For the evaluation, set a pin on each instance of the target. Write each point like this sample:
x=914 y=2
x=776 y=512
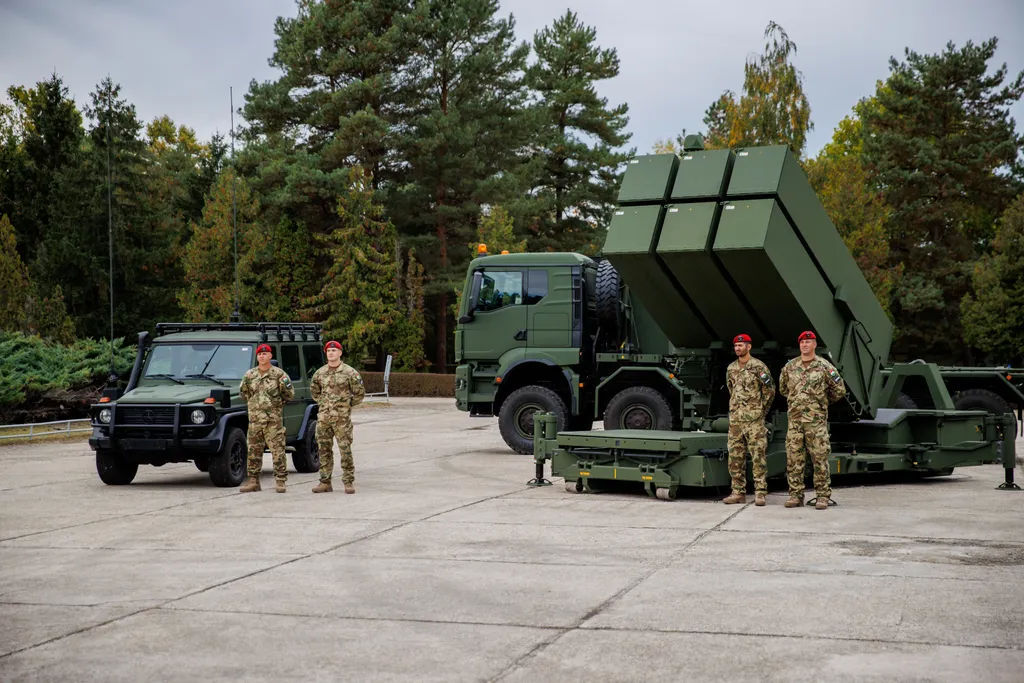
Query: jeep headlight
x=198 y=417
x=105 y=416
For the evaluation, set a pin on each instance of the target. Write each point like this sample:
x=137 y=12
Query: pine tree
x=358 y=301
x=209 y=263
x=993 y=316
x=14 y=280
x=49 y=319
x=463 y=137
x=943 y=149
x=578 y=182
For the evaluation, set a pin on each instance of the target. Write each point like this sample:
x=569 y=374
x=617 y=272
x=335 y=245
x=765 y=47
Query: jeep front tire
x=228 y=467
x=114 y=469
x=306 y=456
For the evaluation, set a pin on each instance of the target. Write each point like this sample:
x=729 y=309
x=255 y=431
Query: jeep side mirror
x=474 y=294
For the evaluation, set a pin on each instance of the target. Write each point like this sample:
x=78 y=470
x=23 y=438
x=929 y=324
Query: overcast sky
x=180 y=57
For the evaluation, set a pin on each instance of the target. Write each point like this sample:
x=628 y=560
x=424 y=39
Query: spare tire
x=609 y=305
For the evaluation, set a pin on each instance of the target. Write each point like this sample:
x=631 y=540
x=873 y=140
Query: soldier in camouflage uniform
x=751 y=392
x=336 y=387
x=809 y=383
x=266 y=389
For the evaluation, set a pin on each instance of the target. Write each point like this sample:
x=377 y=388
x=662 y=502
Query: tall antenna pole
x=234 y=210
x=110 y=234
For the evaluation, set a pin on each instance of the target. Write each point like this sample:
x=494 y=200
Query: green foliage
x=209 y=256
x=49 y=319
x=993 y=317
x=359 y=301
x=34 y=370
x=14 y=281
x=578 y=181
x=942 y=148
x=845 y=187
x=773 y=109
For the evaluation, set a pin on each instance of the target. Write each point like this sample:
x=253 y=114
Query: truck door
x=549 y=297
x=497 y=317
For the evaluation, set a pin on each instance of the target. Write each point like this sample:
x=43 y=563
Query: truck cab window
x=536 y=286
x=500 y=289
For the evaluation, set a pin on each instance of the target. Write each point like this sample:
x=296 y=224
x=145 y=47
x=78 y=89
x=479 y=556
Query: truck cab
x=525 y=339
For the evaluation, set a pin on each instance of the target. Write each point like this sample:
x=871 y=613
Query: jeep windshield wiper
x=209 y=377
x=170 y=377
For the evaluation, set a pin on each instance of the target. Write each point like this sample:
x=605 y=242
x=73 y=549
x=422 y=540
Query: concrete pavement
x=445 y=566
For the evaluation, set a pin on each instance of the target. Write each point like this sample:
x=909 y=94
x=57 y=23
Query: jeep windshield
x=198 y=362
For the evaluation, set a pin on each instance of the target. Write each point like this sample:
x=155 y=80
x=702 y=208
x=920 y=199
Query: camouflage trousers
x=803 y=439
x=271 y=433
x=748 y=437
x=327 y=431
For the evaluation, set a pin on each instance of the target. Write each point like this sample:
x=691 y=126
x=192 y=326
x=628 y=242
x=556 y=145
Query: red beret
x=806 y=335
x=741 y=338
x=332 y=345
x=264 y=347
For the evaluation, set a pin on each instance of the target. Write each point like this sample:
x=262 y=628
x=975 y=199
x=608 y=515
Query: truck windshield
x=220 y=361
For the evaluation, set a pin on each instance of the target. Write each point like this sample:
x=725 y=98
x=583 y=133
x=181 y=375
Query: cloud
x=677 y=56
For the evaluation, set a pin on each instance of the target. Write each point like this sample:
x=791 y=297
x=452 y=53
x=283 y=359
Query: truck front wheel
x=638 y=408
x=515 y=419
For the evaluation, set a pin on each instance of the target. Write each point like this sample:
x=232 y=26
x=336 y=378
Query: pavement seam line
x=226 y=582
x=551 y=640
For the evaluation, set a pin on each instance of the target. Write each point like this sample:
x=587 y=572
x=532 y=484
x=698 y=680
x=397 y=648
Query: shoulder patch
x=834 y=375
x=765 y=377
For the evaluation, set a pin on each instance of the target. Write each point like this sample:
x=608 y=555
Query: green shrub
x=41 y=379
x=411 y=383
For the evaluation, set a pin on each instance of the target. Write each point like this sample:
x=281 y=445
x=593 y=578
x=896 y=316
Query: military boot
x=323 y=487
x=349 y=488
x=760 y=500
x=794 y=502
x=821 y=503
x=252 y=485
x=734 y=498
x=280 y=486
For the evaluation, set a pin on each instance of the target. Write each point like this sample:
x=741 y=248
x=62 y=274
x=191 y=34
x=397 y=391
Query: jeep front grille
x=145 y=416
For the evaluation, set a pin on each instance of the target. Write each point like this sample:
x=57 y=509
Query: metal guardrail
x=37 y=429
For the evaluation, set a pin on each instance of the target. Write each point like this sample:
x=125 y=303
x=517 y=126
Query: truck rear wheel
x=515 y=419
x=989 y=401
x=638 y=408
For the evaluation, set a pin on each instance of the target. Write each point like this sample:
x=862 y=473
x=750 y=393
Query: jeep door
x=295 y=408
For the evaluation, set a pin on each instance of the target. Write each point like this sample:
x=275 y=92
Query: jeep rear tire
x=638 y=408
x=515 y=419
x=114 y=469
x=306 y=457
x=228 y=467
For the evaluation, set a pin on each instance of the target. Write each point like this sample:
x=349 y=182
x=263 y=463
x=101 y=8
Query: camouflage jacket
x=810 y=389
x=336 y=390
x=266 y=393
x=751 y=390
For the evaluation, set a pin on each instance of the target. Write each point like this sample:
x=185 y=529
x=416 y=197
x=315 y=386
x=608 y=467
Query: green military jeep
x=181 y=403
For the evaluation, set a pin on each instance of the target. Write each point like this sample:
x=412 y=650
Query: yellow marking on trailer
x=615 y=473
x=584 y=474
x=646 y=478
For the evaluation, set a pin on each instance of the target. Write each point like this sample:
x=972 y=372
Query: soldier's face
x=263 y=357
x=808 y=345
x=741 y=348
x=333 y=354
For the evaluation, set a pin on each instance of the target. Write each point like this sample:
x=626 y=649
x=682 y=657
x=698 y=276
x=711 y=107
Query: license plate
x=144 y=444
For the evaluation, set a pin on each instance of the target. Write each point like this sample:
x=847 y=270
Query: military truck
x=701 y=248
x=182 y=403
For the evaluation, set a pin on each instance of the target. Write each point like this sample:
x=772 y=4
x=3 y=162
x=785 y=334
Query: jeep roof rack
x=281 y=330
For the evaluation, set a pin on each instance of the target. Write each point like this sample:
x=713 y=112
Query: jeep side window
x=537 y=285
x=313 y=355
x=290 y=361
x=500 y=289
